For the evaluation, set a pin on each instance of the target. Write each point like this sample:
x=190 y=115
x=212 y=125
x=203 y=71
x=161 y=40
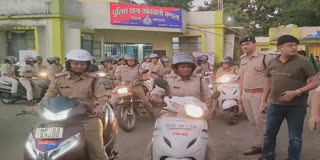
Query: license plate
x=49 y=133
x=182 y=126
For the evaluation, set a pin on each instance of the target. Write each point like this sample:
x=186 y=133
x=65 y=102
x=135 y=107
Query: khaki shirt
x=205 y=67
x=27 y=71
x=253 y=70
x=289 y=76
x=54 y=69
x=127 y=73
x=164 y=70
x=232 y=70
x=85 y=88
x=7 y=70
x=155 y=68
x=195 y=86
x=39 y=67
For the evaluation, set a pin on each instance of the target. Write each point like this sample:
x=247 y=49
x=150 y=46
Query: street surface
x=230 y=141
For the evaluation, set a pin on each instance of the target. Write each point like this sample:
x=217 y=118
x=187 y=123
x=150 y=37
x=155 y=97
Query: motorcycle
x=59 y=137
x=228 y=85
x=128 y=108
x=182 y=132
x=5 y=89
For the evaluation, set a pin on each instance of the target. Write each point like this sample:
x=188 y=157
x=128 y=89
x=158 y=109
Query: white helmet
x=79 y=55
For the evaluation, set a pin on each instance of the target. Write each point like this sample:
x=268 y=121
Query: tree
x=301 y=13
x=184 y=4
x=257 y=16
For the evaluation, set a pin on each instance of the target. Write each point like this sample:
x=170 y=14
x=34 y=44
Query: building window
x=87 y=42
x=140 y=49
x=186 y=44
x=20 y=40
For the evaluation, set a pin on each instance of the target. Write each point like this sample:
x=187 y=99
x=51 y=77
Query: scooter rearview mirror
x=216 y=95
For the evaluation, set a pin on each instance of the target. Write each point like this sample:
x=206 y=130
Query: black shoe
x=31 y=102
x=15 y=94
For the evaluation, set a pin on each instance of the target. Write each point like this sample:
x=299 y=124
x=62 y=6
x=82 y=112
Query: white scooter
x=182 y=132
x=228 y=85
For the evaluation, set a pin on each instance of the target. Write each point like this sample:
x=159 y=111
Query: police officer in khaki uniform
x=27 y=72
x=78 y=84
x=184 y=82
x=39 y=66
x=166 y=66
x=253 y=68
x=8 y=73
x=226 y=67
x=154 y=67
x=54 y=67
x=130 y=72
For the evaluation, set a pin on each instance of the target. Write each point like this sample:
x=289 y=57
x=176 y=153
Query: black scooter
x=5 y=89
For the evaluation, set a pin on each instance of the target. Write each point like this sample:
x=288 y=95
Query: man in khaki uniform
x=183 y=82
x=54 y=67
x=8 y=73
x=27 y=72
x=253 y=67
x=39 y=66
x=78 y=84
x=130 y=73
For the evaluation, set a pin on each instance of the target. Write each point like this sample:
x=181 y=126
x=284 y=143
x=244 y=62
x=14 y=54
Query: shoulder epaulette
x=60 y=74
x=242 y=56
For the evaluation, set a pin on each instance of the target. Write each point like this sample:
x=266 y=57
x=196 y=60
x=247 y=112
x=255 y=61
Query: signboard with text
x=146 y=16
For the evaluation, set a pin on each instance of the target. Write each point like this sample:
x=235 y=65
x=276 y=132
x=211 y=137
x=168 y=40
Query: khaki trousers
x=94 y=138
x=12 y=81
x=26 y=83
x=32 y=87
x=251 y=105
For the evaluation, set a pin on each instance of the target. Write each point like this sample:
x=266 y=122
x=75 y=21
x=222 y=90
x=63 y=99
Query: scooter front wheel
x=126 y=117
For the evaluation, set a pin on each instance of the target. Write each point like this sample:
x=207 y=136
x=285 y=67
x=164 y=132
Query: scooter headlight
x=101 y=74
x=225 y=79
x=56 y=116
x=43 y=74
x=67 y=145
x=193 y=110
x=122 y=90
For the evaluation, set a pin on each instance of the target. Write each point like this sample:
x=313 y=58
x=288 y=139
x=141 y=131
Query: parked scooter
x=5 y=89
x=62 y=138
x=228 y=85
x=181 y=133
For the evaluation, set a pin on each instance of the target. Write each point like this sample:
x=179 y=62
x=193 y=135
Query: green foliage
x=184 y=4
x=257 y=16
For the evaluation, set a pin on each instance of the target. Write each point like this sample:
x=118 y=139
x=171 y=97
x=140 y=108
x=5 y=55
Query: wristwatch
x=298 y=92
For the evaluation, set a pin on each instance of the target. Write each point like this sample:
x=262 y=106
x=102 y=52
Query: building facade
x=104 y=28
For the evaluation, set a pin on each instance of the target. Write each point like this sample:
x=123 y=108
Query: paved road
x=230 y=141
